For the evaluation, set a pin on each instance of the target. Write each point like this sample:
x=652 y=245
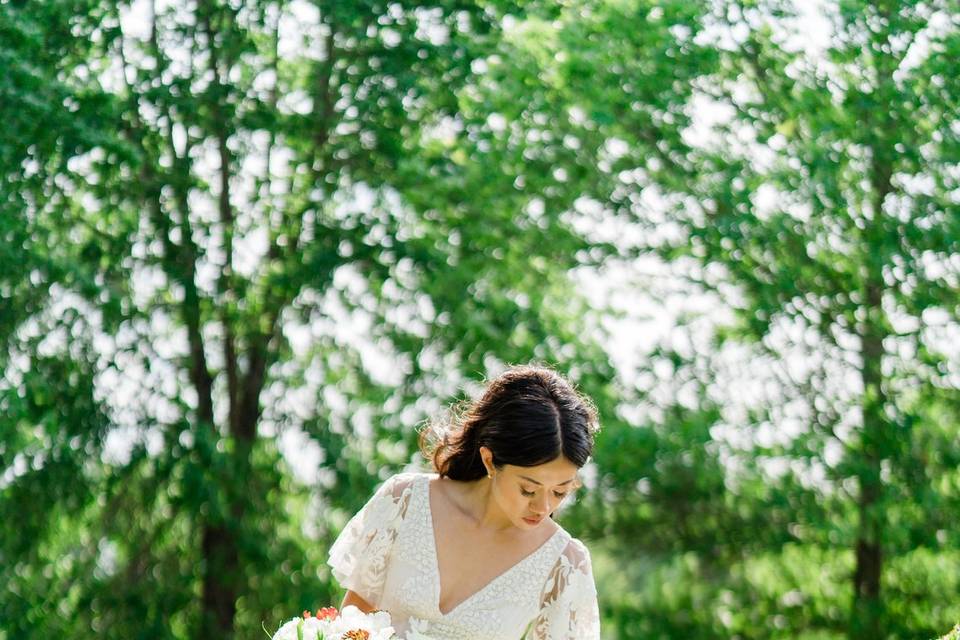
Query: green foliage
x=226 y=180
x=800 y=202
x=230 y=227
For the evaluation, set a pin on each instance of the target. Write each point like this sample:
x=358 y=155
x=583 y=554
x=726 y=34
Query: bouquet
x=953 y=635
x=330 y=624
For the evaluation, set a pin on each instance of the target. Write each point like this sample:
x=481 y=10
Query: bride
x=471 y=552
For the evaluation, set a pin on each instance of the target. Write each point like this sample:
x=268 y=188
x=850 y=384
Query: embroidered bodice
x=387 y=555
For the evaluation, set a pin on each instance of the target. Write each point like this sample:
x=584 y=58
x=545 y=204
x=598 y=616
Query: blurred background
x=248 y=247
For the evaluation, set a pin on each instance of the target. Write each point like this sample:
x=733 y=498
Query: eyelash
x=528 y=494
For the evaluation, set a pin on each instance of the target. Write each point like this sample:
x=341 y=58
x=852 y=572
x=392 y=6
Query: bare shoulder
x=552 y=527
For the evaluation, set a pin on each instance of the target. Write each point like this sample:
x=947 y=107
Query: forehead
x=556 y=472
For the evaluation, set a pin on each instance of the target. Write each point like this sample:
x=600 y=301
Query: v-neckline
x=436 y=558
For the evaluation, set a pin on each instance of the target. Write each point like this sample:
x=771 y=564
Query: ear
x=487 y=457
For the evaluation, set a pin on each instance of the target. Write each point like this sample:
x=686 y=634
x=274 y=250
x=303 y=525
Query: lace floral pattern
x=568 y=609
x=360 y=556
x=387 y=554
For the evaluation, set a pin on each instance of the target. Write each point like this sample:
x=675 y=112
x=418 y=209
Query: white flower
x=377 y=624
x=311 y=627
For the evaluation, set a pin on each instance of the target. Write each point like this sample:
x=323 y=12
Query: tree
x=261 y=171
x=825 y=194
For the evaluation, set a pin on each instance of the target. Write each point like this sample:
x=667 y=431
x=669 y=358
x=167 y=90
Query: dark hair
x=527 y=416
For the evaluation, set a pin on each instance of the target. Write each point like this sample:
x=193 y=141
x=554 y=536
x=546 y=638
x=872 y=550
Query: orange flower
x=307 y=614
x=327 y=613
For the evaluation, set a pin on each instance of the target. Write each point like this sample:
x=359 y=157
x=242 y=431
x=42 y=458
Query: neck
x=483 y=509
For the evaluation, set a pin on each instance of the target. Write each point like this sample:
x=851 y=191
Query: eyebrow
x=541 y=484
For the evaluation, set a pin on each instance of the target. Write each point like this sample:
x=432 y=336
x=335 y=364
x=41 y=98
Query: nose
x=540 y=506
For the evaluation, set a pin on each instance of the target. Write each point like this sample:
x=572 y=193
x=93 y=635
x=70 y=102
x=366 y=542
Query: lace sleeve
x=359 y=556
x=568 y=603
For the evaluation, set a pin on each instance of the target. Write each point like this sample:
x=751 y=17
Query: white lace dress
x=387 y=555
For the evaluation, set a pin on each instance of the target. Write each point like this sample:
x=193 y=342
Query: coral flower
x=327 y=613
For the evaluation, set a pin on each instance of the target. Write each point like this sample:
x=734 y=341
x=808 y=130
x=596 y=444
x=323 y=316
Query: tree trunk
x=867 y=605
x=866 y=579
x=219 y=590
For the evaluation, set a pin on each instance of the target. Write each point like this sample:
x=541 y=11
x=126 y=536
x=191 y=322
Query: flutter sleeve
x=568 y=603
x=360 y=555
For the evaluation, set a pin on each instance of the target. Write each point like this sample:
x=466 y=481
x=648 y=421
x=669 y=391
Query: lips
x=533 y=520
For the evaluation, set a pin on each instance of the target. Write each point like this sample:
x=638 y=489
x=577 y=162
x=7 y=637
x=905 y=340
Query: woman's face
x=528 y=495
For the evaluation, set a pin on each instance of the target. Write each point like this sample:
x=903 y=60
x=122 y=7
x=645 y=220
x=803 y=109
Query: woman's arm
x=357 y=601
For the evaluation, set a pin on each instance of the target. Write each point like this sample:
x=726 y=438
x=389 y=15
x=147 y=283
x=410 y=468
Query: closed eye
x=529 y=494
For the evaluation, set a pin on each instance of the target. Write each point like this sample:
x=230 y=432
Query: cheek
x=506 y=499
x=520 y=503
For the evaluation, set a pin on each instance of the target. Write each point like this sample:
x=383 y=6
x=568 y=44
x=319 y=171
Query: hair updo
x=528 y=415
